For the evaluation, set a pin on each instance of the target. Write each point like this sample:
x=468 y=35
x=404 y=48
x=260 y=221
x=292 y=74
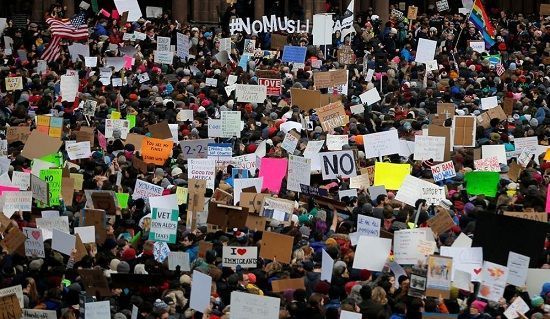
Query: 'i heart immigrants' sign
x=246 y=257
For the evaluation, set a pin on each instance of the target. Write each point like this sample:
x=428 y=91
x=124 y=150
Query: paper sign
x=468 y=259
x=250 y=306
x=405 y=243
x=498 y=151
x=350 y=315
x=273 y=170
x=63 y=242
x=477 y=46
x=39 y=314
x=485 y=183
x=370 y=97
x=299 y=172
x=443 y=171
x=164 y=225
x=14 y=83
x=327 y=265
x=340 y=163
x=17 y=201
x=195 y=148
x=203 y=168
x=493 y=281
x=178 y=258
x=372 y=253
x=120 y=125
x=200 y=291
x=368 y=226
x=335 y=142
x=518 y=305
x=331 y=116
x=390 y=175
x=34 y=242
x=250 y=93
x=100 y=309
x=425 y=50
x=246 y=257
x=439 y=276
x=487 y=164
x=294 y=54
x=79 y=150
x=86 y=233
x=429 y=147
x=155 y=151
x=381 y=144
x=489 y=102
x=518 y=267
x=160 y=251
x=153 y=12
x=231 y=123
x=290 y=142
x=144 y=190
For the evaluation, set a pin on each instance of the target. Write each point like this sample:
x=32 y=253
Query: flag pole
x=462 y=29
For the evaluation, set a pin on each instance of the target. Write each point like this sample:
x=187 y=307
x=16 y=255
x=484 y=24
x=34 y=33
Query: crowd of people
x=410 y=95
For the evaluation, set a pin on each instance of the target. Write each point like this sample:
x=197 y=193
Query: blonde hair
x=379 y=296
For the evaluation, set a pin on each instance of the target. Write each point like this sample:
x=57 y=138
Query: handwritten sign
x=14 y=83
x=368 y=226
x=490 y=164
x=443 y=171
x=250 y=93
x=429 y=147
x=155 y=150
x=246 y=257
x=144 y=190
x=34 y=243
x=332 y=115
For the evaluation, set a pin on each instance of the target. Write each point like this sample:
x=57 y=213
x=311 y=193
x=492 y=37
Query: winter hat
x=339 y=267
x=114 y=264
x=139 y=269
x=159 y=305
x=251 y=278
x=123 y=268
x=128 y=254
x=537 y=301
x=322 y=287
x=479 y=305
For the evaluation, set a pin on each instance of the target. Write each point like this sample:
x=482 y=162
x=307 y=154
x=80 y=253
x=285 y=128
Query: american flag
x=75 y=29
x=66 y=30
x=500 y=69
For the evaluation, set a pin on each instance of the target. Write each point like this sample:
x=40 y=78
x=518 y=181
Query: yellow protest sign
x=115 y=115
x=155 y=150
x=390 y=175
x=547 y=155
x=181 y=195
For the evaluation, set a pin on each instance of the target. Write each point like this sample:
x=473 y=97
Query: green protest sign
x=482 y=183
x=164 y=225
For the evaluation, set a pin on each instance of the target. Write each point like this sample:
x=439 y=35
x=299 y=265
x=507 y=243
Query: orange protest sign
x=155 y=151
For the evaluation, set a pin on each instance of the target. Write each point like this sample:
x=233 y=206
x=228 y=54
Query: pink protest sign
x=4 y=188
x=273 y=170
x=102 y=140
x=128 y=62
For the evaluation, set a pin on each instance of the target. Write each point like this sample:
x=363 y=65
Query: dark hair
x=380 y=198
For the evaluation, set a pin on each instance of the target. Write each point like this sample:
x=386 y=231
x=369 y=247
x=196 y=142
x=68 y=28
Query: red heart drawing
x=35 y=234
x=241 y=251
x=477 y=271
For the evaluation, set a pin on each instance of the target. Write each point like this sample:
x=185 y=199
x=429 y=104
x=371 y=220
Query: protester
x=182 y=182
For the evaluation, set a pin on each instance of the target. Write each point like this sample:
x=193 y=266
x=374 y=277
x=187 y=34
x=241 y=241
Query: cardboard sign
x=95 y=218
x=156 y=151
x=246 y=257
x=160 y=130
x=441 y=222
x=104 y=200
x=15 y=83
x=412 y=13
x=284 y=284
x=277 y=247
x=39 y=145
x=339 y=163
x=13 y=239
x=330 y=78
x=273 y=86
x=10 y=307
x=305 y=99
x=332 y=115
x=536 y=216
x=94 y=282
x=464 y=131
x=17 y=133
x=345 y=55
x=197 y=189
x=544 y=9
x=278 y=41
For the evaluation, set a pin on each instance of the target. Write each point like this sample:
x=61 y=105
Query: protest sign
x=121 y=125
x=294 y=54
x=335 y=142
x=246 y=257
x=429 y=148
x=439 y=276
x=405 y=243
x=487 y=164
x=441 y=222
x=374 y=252
x=390 y=175
x=179 y=258
x=282 y=285
x=368 y=226
x=38 y=314
x=332 y=115
x=276 y=246
x=381 y=144
x=273 y=170
x=200 y=291
x=327 y=266
x=273 y=86
x=53 y=177
x=144 y=190
x=485 y=183
x=203 y=168
x=39 y=144
x=231 y=123
x=518 y=267
x=10 y=307
x=14 y=83
x=467 y=259
x=322 y=29
x=250 y=306
x=493 y=281
x=155 y=151
x=21 y=180
x=160 y=251
x=34 y=242
x=518 y=306
x=290 y=141
x=164 y=225
x=17 y=201
x=13 y=239
x=370 y=97
x=78 y=150
x=195 y=148
x=250 y=93
x=425 y=50
x=99 y=309
x=339 y=163
x=536 y=216
x=443 y=171
x=299 y=172
x=464 y=131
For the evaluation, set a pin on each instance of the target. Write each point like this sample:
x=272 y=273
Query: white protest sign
x=153 y=12
x=381 y=144
x=250 y=93
x=231 y=123
x=17 y=201
x=200 y=291
x=290 y=142
x=211 y=82
x=322 y=29
x=240 y=183
x=425 y=50
x=250 y=306
x=443 y=171
x=179 y=258
x=63 y=242
x=14 y=83
x=39 y=314
x=42 y=66
x=357 y=109
x=489 y=102
x=518 y=305
x=183 y=45
x=429 y=147
x=372 y=253
x=493 y=281
x=335 y=142
x=370 y=73
x=144 y=190
x=247 y=161
x=79 y=150
x=442 y=5
x=122 y=125
x=526 y=142
x=214 y=128
x=86 y=233
x=69 y=87
x=518 y=268
x=299 y=172
x=195 y=148
x=203 y=168
x=21 y=180
x=468 y=259
x=312 y=152
x=350 y=315
x=233 y=256
x=477 y=46
x=370 y=97
x=498 y=151
x=368 y=226
x=327 y=265
x=164 y=57
x=100 y=309
x=90 y=61
x=163 y=44
x=134 y=12
x=405 y=243
x=160 y=251
x=17 y=290
x=487 y=164
x=34 y=244
x=339 y=163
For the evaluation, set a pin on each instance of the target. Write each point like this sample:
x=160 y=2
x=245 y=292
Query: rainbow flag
x=480 y=19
